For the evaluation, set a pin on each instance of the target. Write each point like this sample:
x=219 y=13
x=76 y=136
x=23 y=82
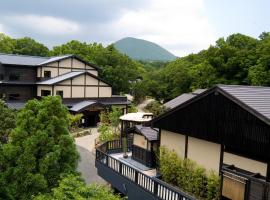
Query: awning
x=80 y=106
x=151 y=134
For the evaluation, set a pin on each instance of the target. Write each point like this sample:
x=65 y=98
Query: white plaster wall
x=245 y=163
x=173 y=141
x=91 y=92
x=79 y=80
x=105 y=91
x=77 y=92
x=91 y=81
x=43 y=87
x=140 y=141
x=66 y=90
x=204 y=153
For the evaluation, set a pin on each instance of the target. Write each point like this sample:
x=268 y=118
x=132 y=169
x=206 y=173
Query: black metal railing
x=143 y=156
x=158 y=188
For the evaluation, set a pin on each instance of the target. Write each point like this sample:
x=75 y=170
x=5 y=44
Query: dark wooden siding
x=26 y=73
x=218 y=119
x=25 y=92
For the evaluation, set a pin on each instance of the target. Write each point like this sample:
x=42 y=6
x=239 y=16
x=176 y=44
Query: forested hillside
x=237 y=59
x=139 y=49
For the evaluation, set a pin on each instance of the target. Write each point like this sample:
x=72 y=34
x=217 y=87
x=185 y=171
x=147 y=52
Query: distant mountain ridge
x=139 y=49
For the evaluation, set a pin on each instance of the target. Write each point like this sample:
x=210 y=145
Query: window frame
x=61 y=93
x=47 y=74
x=44 y=91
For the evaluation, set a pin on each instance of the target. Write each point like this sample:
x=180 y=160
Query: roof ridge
x=21 y=55
x=247 y=86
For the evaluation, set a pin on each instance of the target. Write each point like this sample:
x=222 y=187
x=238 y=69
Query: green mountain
x=143 y=50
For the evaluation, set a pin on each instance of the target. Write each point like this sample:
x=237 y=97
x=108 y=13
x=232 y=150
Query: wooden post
x=136 y=176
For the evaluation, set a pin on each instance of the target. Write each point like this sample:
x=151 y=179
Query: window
x=1 y=77
x=14 y=97
x=60 y=93
x=45 y=93
x=47 y=74
x=14 y=77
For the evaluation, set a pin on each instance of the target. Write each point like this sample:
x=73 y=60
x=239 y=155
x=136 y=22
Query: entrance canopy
x=137 y=117
x=83 y=105
x=150 y=134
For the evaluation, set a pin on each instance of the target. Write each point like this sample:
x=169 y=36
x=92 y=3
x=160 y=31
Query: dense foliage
x=72 y=187
x=7 y=122
x=156 y=108
x=24 y=46
x=109 y=124
x=238 y=59
x=40 y=149
x=188 y=176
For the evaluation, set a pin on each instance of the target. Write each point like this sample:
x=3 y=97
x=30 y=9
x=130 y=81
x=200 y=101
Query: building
x=75 y=80
x=225 y=129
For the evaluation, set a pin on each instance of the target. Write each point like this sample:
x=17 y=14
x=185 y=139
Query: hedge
x=189 y=176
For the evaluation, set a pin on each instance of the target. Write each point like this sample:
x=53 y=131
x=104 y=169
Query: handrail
x=158 y=188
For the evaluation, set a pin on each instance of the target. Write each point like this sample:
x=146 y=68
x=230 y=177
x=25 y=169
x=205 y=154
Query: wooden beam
x=268 y=172
x=186 y=146
x=71 y=88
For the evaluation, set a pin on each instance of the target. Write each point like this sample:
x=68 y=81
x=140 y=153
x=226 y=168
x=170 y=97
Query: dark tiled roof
x=256 y=98
x=53 y=59
x=82 y=105
x=182 y=98
x=60 y=78
x=25 y=60
x=149 y=133
x=12 y=59
x=15 y=105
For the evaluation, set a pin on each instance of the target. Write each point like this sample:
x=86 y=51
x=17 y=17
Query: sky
x=180 y=26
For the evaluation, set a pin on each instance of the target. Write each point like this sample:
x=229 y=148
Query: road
x=85 y=146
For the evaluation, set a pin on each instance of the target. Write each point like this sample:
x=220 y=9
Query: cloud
x=174 y=24
x=181 y=26
x=46 y=24
x=1 y=28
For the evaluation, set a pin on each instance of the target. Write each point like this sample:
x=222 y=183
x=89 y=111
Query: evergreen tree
x=40 y=149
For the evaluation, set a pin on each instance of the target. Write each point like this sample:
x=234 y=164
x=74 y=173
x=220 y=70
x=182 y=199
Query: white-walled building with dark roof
x=26 y=77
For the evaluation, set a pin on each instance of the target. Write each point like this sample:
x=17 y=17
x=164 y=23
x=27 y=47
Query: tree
x=73 y=187
x=40 y=149
x=74 y=121
x=6 y=44
x=114 y=117
x=156 y=108
x=7 y=122
x=28 y=46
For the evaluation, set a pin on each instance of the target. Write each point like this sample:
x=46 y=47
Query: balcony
x=132 y=178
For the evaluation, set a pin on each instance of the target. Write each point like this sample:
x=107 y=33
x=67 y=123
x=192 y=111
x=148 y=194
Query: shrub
x=104 y=119
x=132 y=109
x=73 y=187
x=106 y=133
x=74 y=121
x=156 y=108
x=188 y=176
x=213 y=186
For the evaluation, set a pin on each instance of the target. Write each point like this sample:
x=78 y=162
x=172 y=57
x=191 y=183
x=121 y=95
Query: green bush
x=73 y=187
x=188 y=176
x=156 y=108
x=107 y=133
x=213 y=186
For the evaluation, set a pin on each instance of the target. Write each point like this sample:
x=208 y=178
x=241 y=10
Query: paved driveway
x=85 y=146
